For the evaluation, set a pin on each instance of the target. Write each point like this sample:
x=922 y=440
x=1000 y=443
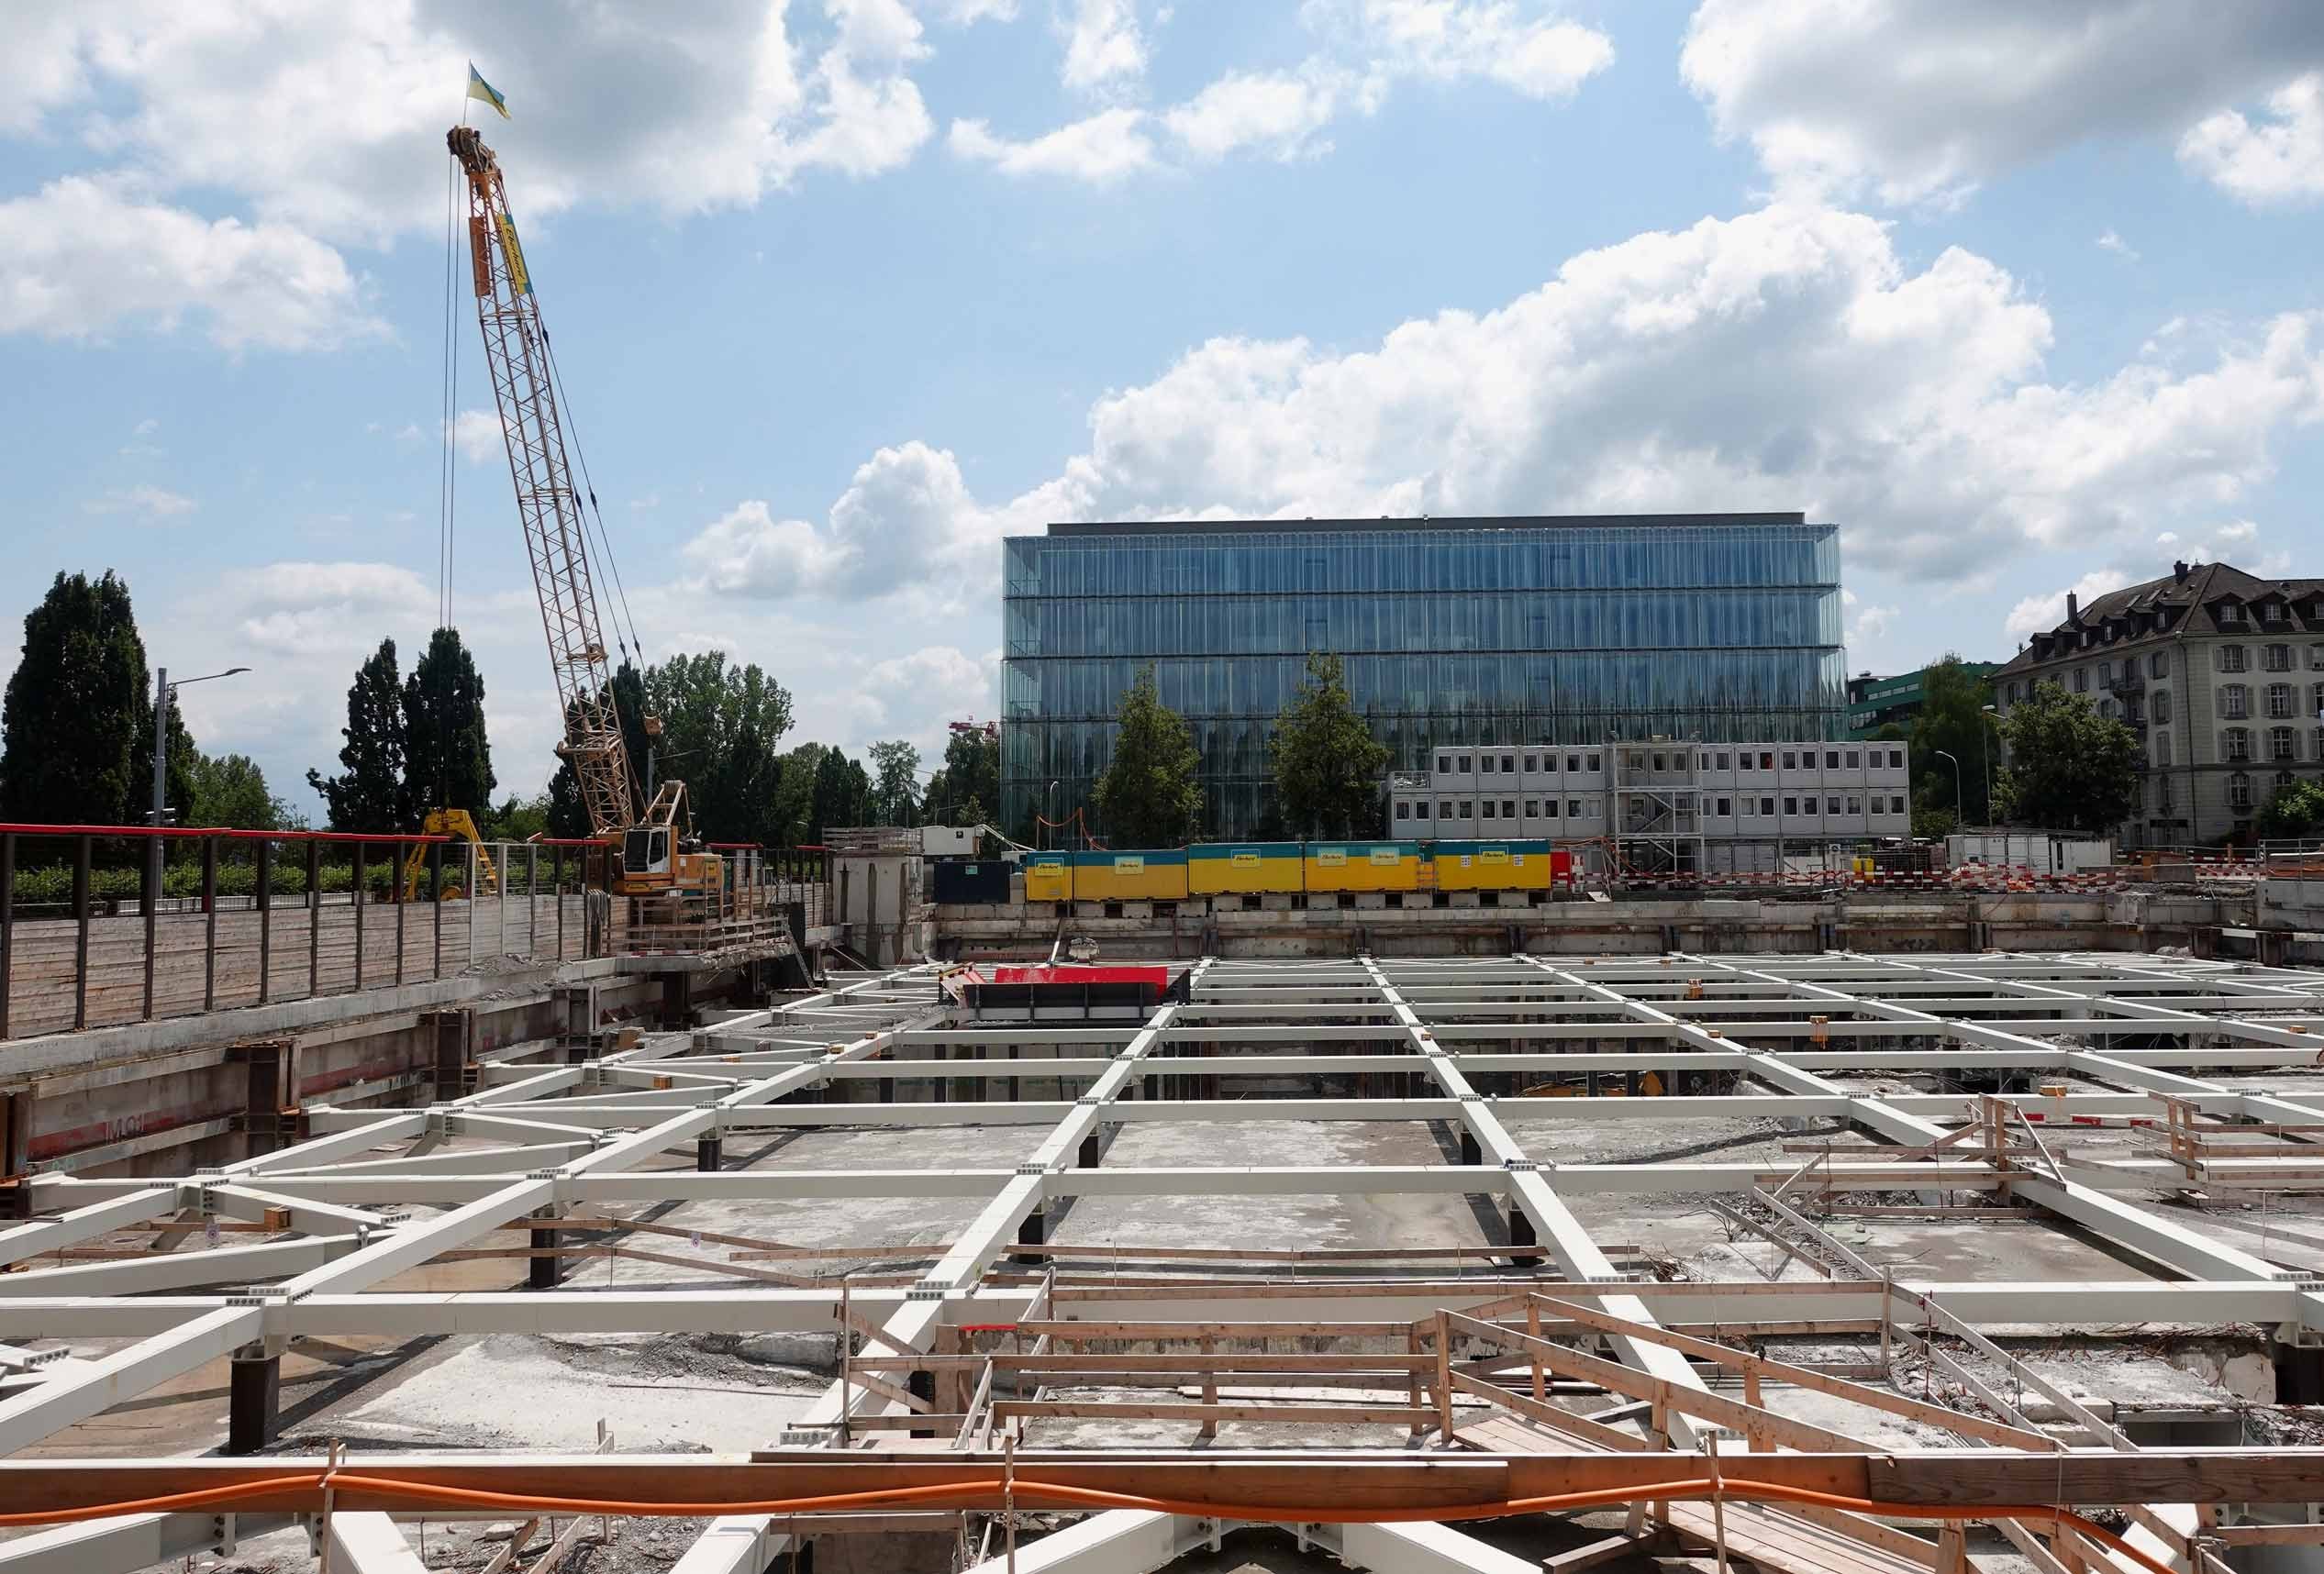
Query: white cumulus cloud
x=2276 y=163
x=1279 y=111
x=1916 y=415
x=1105 y=47
x=1105 y=147
x=1919 y=102
x=85 y=257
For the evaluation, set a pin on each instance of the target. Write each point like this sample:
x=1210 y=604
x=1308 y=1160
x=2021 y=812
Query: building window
x=2279 y=744
x=1722 y=759
x=1549 y=808
x=1444 y=764
x=1791 y=805
x=2162 y=707
x=1404 y=811
x=1723 y=808
x=1532 y=762
x=1831 y=759
x=1831 y=805
x=1855 y=805
x=1468 y=808
x=1852 y=758
x=2275 y=658
x=2106 y=674
x=1532 y=808
x=2105 y=707
x=2162 y=748
x=2134 y=709
x=1509 y=808
x=1594 y=764
x=2159 y=664
x=2239 y=791
x=2231 y=612
x=1573 y=763
x=1464 y=765
x=1895 y=759
x=1488 y=808
x=2235 y=702
x=2235 y=745
x=1484 y=765
x=2316 y=658
x=1767 y=760
x=2163 y=794
x=1445 y=809
x=2279 y=701
x=1896 y=805
x=2272 y=612
x=1573 y=808
x=1420 y=810
x=1791 y=756
x=1767 y=808
x=2082 y=679
x=2229 y=659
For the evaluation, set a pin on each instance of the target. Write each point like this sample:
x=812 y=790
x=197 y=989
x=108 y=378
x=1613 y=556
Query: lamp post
x=1049 y=811
x=1985 y=756
x=1960 y=809
x=163 y=692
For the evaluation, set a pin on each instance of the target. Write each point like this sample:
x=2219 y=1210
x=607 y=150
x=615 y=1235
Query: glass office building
x=1715 y=626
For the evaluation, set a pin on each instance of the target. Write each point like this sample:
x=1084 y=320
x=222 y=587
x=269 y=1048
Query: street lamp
x=1049 y=813
x=1985 y=757
x=1960 y=809
x=163 y=692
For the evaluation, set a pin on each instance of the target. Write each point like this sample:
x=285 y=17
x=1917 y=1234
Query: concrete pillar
x=1088 y=1159
x=254 y=1400
x=1521 y=1235
x=677 y=1000
x=1470 y=1152
x=707 y=1154
x=544 y=1273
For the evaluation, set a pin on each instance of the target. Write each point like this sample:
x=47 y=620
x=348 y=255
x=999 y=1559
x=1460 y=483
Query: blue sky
x=2024 y=298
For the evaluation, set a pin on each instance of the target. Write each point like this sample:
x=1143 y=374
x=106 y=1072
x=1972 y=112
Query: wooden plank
x=1762 y=1368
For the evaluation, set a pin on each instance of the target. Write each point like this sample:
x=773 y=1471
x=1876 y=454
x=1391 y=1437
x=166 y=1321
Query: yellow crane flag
x=479 y=88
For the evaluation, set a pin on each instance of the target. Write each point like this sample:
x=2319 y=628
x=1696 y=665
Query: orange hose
x=965 y=1494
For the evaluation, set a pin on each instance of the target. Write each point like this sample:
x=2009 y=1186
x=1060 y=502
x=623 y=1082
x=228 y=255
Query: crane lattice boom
x=517 y=350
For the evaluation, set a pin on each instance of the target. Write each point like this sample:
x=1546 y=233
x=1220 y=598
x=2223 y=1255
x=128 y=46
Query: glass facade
x=1503 y=631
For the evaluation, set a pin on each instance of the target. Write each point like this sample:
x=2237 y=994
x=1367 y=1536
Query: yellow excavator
x=456 y=823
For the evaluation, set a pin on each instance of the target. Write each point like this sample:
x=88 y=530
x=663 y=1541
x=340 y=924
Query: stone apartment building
x=2219 y=672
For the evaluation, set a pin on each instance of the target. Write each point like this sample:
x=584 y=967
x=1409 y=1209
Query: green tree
x=2293 y=811
x=966 y=789
x=2070 y=769
x=76 y=709
x=895 y=795
x=231 y=790
x=368 y=795
x=1950 y=718
x=447 y=757
x=721 y=727
x=1148 y=796
x=835 y=800
x=515 y=819
x=1328 y=765
x=794 y=795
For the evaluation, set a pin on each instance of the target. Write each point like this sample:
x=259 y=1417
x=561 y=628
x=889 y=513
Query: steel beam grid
x=580 y=1136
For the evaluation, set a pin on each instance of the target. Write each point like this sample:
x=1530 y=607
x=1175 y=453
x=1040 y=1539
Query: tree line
x=76 y=745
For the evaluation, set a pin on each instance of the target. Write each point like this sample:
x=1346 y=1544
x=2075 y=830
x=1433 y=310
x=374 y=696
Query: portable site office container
x=1218 y=869
x=1363 y=866
x=964 y=881
x=1049 y=876
x=1158 y=875
x=1492 y=865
